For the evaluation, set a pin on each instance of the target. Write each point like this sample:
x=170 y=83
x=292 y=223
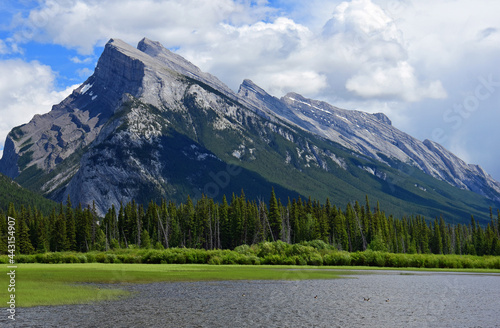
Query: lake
x=396 y=299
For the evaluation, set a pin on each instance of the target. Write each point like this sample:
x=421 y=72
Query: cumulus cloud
x=403 y=57
x=83 y=24
x=271 y=54
x=26 y=89
x=359 y=46
x=375 y=49
x=396 y=81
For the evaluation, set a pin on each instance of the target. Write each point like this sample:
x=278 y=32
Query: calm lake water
x=396 y=299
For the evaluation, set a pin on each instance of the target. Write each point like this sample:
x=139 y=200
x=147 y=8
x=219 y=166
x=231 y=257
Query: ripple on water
x=395 y=300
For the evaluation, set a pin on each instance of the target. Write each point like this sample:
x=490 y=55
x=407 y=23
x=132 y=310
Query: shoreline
x=61 y=284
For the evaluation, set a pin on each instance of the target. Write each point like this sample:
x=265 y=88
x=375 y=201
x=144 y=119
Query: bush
x=196 y=256
x=231 y=257
x=272 y=259
x=374 y=258
x=416 y=261
x=159 y=246
x=337 y=258
x=314 y=259
x=91 y=258
x=215 y=260
x=302 y=250
x=358 y=258
x=70 y=258
x=23 y=258
x=245 y=250
x=54 y=258
x=317 y=244
x=152 y=256
x=265 y=248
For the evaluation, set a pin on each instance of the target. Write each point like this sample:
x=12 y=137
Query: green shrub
x=152 y=256
x=110 y=258
x=196 y=256
x=373 y=258
x=91 y=258
x=254 y=260
x=159 y=246
x=54 y=258
x=215 y=260
x=302 y=250
x=358 y=258
x=245 y=250
x=230 y=257
x=416 y=261
x=337 y=258
x=316 y=244
x=23 y=258
x=265 y=248
x=70 y=258
x=272 y=259
x=314 y=259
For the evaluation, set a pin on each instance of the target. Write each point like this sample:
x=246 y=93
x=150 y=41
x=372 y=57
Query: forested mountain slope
x=149 y=125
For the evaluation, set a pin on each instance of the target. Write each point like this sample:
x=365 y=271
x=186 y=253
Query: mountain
x=149 y=124
x=12 y=192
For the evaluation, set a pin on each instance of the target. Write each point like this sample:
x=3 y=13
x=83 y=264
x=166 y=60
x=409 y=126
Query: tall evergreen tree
x=275 y=216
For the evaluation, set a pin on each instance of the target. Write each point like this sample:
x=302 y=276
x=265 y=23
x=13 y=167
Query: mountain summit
x=148 y=124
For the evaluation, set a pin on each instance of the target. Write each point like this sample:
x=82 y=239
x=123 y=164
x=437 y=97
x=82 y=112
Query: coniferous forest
x=239 y=221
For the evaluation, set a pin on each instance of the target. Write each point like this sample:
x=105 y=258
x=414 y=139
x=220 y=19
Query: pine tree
x=275 y=216
x=23 y=241
x=42 y=233
x=145 y=240
x=58 y=239
x=70 y=226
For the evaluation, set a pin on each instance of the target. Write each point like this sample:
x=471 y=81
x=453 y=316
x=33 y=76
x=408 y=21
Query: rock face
x=374 y=136
x=149 y=124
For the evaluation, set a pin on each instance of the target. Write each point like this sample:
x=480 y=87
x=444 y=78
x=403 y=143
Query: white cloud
x=8 y=46
x=398 y=81
x=84 y=72
x=3 y=48
x=376 y=54
x=82 y=24
x=410 y=59
x=308 y=82
x=77 y=60
x=26 y=89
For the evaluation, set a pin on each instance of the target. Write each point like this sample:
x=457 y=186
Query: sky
x=431 y=66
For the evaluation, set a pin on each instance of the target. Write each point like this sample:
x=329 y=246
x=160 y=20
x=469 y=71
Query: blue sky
x=431 y=66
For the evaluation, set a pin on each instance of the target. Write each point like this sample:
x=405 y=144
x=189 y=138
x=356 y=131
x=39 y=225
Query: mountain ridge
x=424 y=155
x=125 y=132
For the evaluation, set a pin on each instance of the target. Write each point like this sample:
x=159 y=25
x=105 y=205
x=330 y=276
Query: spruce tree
x=275 y=216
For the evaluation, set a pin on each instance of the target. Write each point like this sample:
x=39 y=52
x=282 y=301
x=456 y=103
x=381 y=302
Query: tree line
x=226 y=225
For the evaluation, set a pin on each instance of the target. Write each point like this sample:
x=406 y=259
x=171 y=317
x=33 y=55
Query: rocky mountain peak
x=178 y=64
x=169 y=59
